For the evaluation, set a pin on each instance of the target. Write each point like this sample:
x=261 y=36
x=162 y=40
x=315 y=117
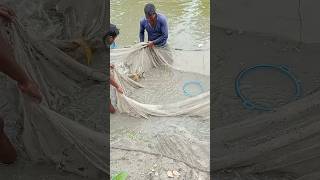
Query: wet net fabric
x=68 y=127
x=283 y=141
x=152 y=86
x=61 y=20
x=175 y=133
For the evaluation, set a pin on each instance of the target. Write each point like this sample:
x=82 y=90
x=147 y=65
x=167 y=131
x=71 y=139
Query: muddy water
x=189 y=28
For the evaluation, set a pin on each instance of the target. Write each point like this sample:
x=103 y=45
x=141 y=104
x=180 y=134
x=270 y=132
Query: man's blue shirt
x=157 y=34
x=113 y=45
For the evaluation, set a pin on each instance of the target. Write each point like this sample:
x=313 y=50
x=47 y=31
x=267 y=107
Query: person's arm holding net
x=113 y=82
x=11 y=68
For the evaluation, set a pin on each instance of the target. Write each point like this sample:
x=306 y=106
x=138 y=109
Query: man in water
x=110 y=37
x=156 y=26
x=10 y=67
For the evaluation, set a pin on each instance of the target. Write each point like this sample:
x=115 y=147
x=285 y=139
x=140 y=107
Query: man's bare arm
x=8 y=65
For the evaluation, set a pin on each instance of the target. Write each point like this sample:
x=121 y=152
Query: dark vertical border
x=212 y=61
x=108 y=90
x=212 y=80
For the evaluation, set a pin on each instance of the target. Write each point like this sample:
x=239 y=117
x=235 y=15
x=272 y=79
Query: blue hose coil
x=198 y=83
x=254 y=106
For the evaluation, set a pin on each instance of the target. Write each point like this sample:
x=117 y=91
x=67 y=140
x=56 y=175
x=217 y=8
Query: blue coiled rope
x=254 y=106
x=198 y=83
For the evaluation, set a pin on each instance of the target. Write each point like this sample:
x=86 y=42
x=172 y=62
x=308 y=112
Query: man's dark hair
x=149 y=9
x=113 y=31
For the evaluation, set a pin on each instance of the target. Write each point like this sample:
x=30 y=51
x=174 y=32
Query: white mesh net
x=159 y=91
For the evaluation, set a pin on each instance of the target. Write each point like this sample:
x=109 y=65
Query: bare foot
x=8 y=153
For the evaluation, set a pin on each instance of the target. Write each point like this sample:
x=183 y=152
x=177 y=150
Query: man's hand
x=120 y=90
x=7 y=13
x=150 y=44
x=31 y=88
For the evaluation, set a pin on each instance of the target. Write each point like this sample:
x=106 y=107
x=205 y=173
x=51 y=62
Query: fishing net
x=152 y=86
x=159 y=127
x=68 y=127
x=252 y=144
x=52 y=40
x=61 y=19
x=283 y=141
